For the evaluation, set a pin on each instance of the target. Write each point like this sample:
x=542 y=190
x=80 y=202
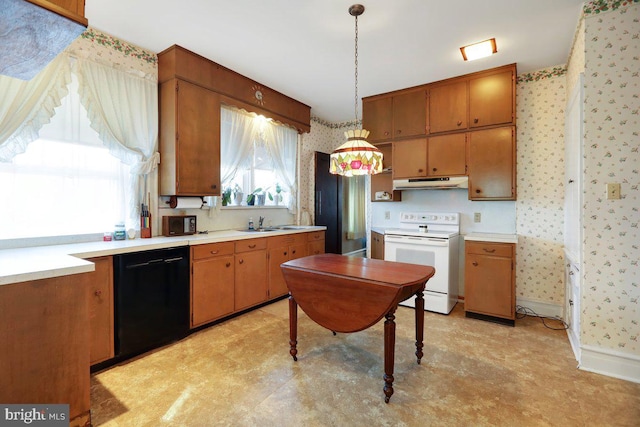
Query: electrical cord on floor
x=522 y=312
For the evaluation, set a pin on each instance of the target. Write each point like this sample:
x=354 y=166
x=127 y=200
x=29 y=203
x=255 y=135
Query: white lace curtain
x=239 y=132
x=122 y=109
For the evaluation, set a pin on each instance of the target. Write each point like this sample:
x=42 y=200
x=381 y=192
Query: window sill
x=241 y=207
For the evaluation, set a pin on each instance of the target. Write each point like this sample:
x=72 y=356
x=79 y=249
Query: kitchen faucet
x=260 y=221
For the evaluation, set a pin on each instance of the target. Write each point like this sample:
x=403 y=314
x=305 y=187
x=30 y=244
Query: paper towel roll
x=185 y=202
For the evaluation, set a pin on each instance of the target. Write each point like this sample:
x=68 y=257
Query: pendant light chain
x=356 y=73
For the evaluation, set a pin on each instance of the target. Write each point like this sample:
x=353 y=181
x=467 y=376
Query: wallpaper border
x=545 y=73
x=125 y=48
x=595 y=7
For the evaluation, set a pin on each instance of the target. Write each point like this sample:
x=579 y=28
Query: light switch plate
x=613 y=191
x=476 y=217
x=387 y=215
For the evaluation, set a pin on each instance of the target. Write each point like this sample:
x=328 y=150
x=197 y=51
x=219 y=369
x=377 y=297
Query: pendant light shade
x=356 y=156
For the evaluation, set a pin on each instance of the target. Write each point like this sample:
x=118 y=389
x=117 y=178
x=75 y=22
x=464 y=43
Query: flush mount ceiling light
x=479 y=50
x=356 y=156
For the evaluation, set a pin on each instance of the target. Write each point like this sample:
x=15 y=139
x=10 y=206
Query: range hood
x=443 y=183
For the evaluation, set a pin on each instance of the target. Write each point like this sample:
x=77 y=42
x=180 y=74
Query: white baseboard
x=610 y=363
x=575 y=343
x=542 y=308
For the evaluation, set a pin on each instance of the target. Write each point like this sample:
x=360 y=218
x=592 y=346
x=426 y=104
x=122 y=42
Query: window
x=258 y=158
x=65 y=183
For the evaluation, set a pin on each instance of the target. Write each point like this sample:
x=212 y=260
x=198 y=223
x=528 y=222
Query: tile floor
x=474 y=373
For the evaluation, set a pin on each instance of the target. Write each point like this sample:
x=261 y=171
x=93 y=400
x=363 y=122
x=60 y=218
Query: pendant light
x=356 y=156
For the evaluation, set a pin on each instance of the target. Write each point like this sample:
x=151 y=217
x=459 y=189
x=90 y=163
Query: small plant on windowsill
x=226 y=196
x=278 y=196
x=257 y=196
x=237 y=195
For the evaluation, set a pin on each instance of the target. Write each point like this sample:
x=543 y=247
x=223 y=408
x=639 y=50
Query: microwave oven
x=182 y=225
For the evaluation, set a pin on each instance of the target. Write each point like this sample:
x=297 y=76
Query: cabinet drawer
x=315 y=236
x=486 y=248
x=316 y=248
x=251 y=245
x=211 y=250
x=286 y=240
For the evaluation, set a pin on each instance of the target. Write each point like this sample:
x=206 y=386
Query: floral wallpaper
x=575 y=64
x=611 y=277
x=540 y=103
x=104 y=48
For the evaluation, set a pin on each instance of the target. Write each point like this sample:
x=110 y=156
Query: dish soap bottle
x=251 y=224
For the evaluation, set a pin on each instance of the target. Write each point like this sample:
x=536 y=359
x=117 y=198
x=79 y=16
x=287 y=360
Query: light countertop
x=43 y=262
x=492 y=237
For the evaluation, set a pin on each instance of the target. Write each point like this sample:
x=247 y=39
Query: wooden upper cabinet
x=72 y=9
x=189 y=140
x=492 y=164
x=448 y=108
x=410 y=158
x=446 y=155
x=377 y=118
x=409 y=114
x=383 y=182
x=492 y=99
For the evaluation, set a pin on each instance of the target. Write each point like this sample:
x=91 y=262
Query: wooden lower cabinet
x=315 y=243
x=229 y=277
x=100 y=295
x=489 y=284
x=283 y=249
x=212 y=279
x=251 y=284
x=377 y=245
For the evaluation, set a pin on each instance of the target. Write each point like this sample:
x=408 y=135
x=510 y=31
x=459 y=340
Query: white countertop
x=43 y=262
x=492 y=237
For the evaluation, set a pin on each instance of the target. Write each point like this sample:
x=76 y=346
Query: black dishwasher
x=151 y=299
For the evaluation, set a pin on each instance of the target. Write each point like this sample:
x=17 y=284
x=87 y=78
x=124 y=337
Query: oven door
x=424 y=251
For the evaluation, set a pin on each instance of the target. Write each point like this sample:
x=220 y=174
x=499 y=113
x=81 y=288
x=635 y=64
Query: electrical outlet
x=387 y=215
x=476 y=217
x=613 y=191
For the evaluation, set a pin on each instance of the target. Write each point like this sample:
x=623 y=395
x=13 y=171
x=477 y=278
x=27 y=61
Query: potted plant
x=251 y=197
x=278 y=196
x=237 y=195
x=226 y=196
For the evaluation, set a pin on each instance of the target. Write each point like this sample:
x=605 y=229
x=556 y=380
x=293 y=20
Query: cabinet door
x=492 y=164
x=410 y=158
x=491 y=99
x=376 y=118
x=409 y=114
x=377 y=245
x=198 y=141
x=447 y=155
x=448 y=107
x=251 y=278
x=212 y=292
x=488 y=286
x=101 y=310
x=277 y=256
x=315 y=248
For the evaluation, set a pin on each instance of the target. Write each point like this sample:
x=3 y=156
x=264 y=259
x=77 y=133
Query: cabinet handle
x=228 y=264
x=420 y=170
x=285 y=252
x=489 y=250
x=99 y=292
x=398 y=131
x=293 y=252
x=478 y=191
x=475 y=264
x=241 y=261
x=475 y=120
x=435 y=169
x=214 y=252
x=459 y=123
x=252 y=246
x=386 y=133
x=214 y=186
x=570 y=181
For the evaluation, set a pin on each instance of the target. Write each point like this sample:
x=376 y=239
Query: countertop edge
x=492 y=237
x=19 y=265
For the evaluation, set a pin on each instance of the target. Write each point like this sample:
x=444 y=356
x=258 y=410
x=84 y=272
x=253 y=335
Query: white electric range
x=428 y=238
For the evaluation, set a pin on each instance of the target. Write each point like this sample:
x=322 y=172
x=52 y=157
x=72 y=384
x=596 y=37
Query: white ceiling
x=305 y=48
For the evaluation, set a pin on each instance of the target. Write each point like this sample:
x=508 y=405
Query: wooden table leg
x=419 y=324
x=389 y=353
x=293 y=328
